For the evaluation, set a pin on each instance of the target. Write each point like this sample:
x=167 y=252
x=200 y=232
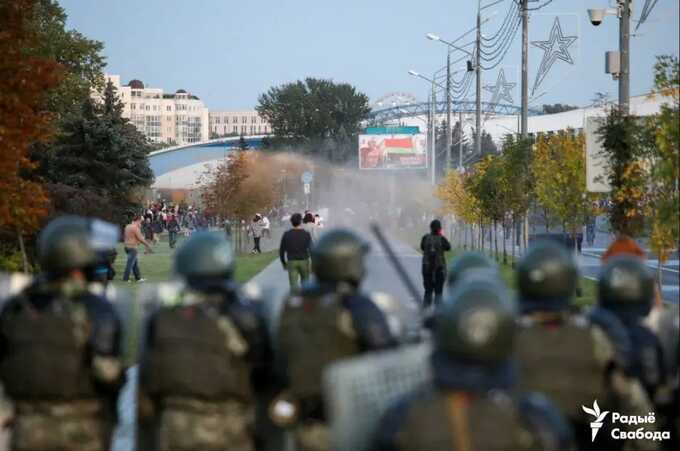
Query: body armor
x=451 y=421
x=45 y=355
x=197 y=353
x=314 y=332
x=546 y=354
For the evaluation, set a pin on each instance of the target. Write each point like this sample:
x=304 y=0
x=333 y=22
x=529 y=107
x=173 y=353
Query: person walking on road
x=255 y=230
x=433 y=245
x=294 y=252
x=266 y=227
x=133 y=237
x=309 y=225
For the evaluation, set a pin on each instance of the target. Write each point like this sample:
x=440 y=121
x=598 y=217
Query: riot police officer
x=469 y=405
x=571 y=358
x=328 y=320
x=200 y=356
x=60 y=357
x=626 y=288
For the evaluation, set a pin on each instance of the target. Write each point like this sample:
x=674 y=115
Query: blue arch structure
x=173 y=158
x=422 y=109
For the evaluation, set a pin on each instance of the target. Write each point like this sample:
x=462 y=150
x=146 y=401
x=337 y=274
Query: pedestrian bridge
x=179 y=167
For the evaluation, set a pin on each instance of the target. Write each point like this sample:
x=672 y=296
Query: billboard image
x=397 y=151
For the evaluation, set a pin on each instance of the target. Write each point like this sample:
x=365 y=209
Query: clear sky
x=230 y=51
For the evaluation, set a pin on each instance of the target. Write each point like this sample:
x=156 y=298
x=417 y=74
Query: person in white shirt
x=266 y=227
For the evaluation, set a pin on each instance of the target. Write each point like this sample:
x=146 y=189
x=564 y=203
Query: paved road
x=590 y=265
x=380 y=276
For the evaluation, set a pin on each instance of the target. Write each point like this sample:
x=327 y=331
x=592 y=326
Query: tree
x=80 y=57
x=100 y=152
x=242 y=143
x=663 y=130
x=457 y=200
x=241 y=186
x=487 y=185
x=517 y=163
x=25 y=81
x=557 y=108
x=559 y=171
x=621 y=146
x=488 y=145
x=307 y=112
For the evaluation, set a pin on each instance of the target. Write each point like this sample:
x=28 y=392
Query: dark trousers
x=172 y=238
x=433 y=282
x=256 y=247
x=131 y=264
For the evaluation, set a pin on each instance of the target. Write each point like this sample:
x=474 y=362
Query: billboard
x=392 y=151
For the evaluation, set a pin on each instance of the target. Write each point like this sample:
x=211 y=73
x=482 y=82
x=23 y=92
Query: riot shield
x=403 y=318
x=124 y=435
x=270 y=303
x=12 y=284
x=359 y=390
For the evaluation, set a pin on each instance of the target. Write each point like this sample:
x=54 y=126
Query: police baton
x=401 y=271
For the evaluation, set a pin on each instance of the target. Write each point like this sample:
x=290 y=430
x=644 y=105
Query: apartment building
x=180 y=117
x=223 y=123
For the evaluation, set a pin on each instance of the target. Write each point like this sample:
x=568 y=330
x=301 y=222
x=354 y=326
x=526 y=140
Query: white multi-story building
x=180 y=117
x=238 y=123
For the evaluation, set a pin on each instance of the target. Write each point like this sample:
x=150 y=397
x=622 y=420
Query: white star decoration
x=502 y=90
x=556 y=48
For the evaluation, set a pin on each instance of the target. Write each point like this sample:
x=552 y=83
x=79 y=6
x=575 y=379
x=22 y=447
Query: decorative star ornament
x=502 y=90
x=556 y=48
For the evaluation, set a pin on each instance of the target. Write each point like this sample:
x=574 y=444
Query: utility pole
x=449 y=131
x=433 y=133
x=478 y=68
x=525 y=67
x=525 y=101
x=624 y=49
x=460 y=140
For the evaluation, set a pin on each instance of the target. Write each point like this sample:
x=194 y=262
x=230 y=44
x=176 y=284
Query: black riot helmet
x=626 y=286
x=476 y=321
x=547 y=277
x=65 y=245
x=338 y=256
x=468 y=261
x=205 y=259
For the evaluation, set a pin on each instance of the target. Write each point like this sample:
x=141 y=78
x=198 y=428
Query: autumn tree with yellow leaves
x=663 y=139
x=458 y=201
x=559 y=170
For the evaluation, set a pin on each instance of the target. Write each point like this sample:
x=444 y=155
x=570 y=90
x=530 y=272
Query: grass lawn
x=157 y=267
x=588 y=287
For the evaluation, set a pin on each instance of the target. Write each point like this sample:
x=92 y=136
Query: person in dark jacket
x=294 y=252
x=173 y=230
x=433 y=245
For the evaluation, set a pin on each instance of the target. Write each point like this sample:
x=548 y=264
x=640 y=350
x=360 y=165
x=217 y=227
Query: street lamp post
x=432 y=124
x=478 y=88
x=618 y=63
x=525 y=68
x=449 y=129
